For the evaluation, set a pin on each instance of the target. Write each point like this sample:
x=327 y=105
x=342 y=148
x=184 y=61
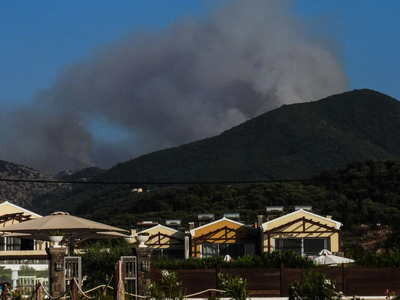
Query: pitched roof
x=192 y=231
x=160 y=226
x=18 y=208
x=264 y=225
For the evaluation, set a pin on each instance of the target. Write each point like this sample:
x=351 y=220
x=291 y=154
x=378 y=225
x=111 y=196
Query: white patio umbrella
x=73 y=228
x=60 y=221
x=73 y=239
x=327 y=258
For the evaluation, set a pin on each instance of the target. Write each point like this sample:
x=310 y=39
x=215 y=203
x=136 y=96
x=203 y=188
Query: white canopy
x=73 y=239
x=327 y=258
x=60 y=221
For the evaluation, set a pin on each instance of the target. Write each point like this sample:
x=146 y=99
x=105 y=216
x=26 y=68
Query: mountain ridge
x=294 y=141
x=22 y=193
x=276 y=140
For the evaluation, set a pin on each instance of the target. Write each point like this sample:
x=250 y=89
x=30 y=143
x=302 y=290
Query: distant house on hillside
x=15 y=251
x=303 y=232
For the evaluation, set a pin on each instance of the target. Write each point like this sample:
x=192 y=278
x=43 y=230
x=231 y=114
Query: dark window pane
x=314 y=246
x=288 y=244
x=223 y=249
x=235 y=250
x=27 y=244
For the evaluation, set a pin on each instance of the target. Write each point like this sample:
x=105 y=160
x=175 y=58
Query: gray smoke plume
x=192 y=80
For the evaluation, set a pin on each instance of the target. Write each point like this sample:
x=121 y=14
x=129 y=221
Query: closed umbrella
x=327 y=258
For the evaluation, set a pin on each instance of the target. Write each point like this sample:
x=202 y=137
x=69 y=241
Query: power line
x=147 y=182
x=316 y=179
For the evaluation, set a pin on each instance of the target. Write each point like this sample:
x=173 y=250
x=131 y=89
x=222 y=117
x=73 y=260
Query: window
x=234 y=250
x=289 y=244
x=27 y=244
x=303 y=246
x=10 y=243
x=209 y=250
x=314 y=246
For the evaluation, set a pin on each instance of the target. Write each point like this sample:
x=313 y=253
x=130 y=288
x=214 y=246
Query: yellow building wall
x=296 y=230
x=235 y=233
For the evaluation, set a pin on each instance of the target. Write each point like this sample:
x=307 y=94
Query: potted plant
x=142 y=237
x=56 y=237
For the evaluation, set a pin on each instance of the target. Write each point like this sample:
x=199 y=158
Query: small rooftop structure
x=177 y=224
x=274 y=209
x=232 y=216
x=173 y=222
x=303 y=207
x=145 y=224
x=273 y=212
x=205 y=218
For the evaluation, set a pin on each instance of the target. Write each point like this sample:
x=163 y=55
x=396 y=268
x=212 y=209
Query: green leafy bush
x=314 y=286
x=169 y=287
x=267 y=260
x=235 y=287
x=290 y=259
x=99 y=257
x=145 y=233
x=56 y=233
x=191 y=263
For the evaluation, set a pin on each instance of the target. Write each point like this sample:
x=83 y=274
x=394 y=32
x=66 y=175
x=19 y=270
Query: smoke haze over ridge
x=160 y=89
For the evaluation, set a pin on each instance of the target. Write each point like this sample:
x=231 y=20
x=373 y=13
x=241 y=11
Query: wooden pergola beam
x=160 y=236
x=19 y=216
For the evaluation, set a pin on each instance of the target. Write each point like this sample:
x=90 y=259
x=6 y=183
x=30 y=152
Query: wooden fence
x=275 y=282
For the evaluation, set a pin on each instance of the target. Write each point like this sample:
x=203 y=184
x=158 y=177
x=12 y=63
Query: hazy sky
x=98 y=82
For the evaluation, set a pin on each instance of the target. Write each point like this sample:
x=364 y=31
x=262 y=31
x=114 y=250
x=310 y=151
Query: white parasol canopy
x=73 y=239
x=327 y=258
x=60 y=221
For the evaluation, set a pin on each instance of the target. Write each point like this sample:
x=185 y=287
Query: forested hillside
x=293 y=142
x=365 y=192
